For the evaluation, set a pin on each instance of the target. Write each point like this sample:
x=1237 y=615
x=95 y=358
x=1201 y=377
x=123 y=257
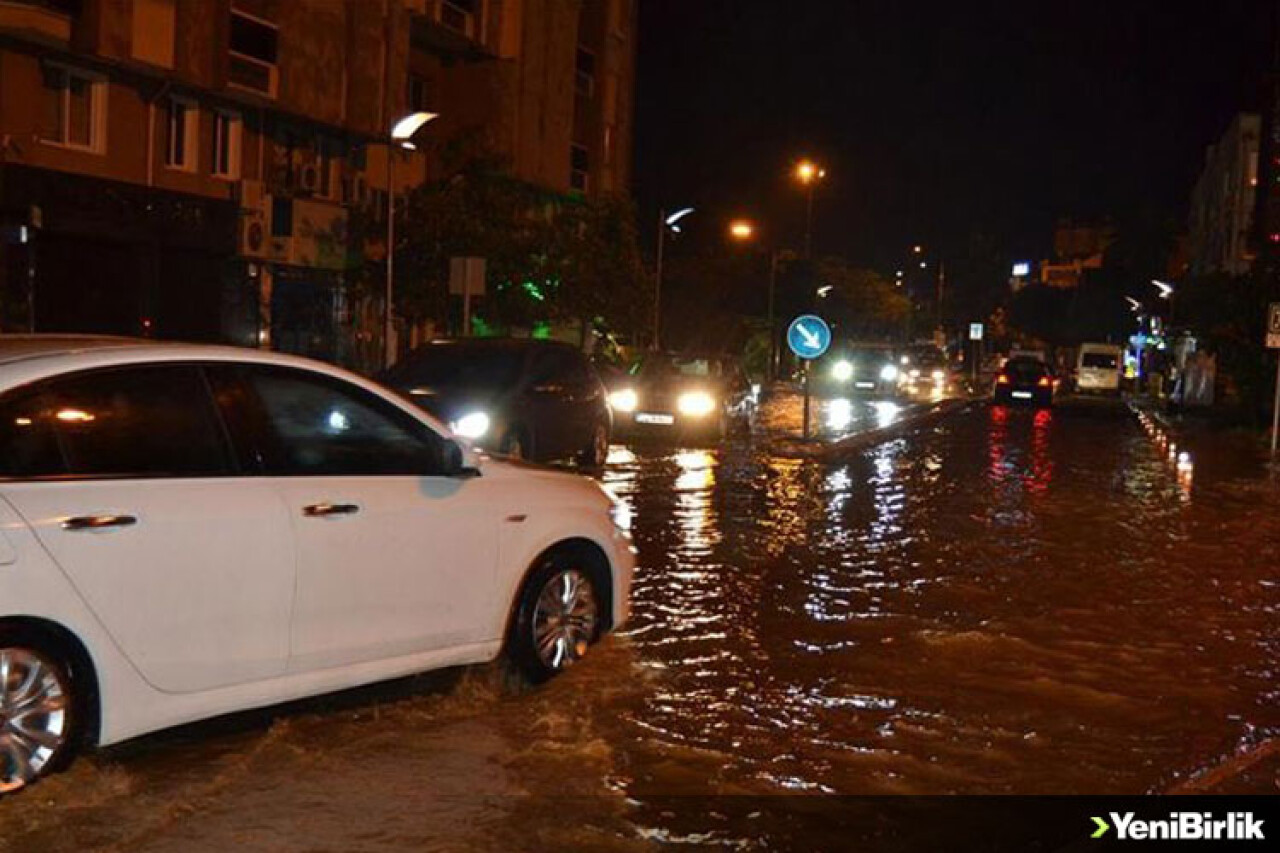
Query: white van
x=1098 y=368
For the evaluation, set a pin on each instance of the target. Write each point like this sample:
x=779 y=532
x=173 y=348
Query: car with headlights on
x=188 y=531
x=530 y=399
x=924 y=370
x=690 y=396
x=860 y=369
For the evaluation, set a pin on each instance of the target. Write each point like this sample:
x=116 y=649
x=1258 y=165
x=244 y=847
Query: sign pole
x=1273 y=342
x=809 y=337
x=806 y=406
x=1275 y=412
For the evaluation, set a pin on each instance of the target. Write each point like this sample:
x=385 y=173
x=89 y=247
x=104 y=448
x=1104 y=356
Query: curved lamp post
x=401 y=135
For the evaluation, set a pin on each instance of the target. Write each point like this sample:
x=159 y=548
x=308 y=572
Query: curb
x=859 y=441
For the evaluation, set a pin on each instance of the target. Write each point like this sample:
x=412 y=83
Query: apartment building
x=197 y=169
x=1224 y=199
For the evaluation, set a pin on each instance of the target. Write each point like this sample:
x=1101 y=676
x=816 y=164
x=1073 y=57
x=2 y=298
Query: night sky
x=936 y=120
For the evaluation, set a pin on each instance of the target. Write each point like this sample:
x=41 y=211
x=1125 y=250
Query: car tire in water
x=596 y=453
x=558 y=616
x=40 y=711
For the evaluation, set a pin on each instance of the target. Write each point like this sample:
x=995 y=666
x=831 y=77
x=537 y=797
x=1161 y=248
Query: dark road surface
x=1004 y=602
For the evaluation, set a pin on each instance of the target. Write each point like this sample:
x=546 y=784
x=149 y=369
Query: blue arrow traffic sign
x=809 y=336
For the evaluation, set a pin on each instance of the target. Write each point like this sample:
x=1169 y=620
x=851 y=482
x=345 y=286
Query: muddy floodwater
x=1004 y=602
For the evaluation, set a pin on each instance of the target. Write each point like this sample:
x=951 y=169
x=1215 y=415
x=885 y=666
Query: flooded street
x=1005 y=601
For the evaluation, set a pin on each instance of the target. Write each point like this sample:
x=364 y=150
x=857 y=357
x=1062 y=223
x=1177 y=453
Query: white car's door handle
x=98 y=522
x=323 y=510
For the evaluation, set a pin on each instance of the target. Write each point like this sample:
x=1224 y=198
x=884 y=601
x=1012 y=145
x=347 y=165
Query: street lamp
x=808 y=174
x=401 y=134
x=1166 y=292
x=743 y=230
x=665 y=221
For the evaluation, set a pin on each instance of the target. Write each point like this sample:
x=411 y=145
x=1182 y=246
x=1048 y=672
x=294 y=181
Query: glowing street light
x=1166 y=290
x=808 y=173
x=401 y=135
x=1134 y=305
x=741 y=229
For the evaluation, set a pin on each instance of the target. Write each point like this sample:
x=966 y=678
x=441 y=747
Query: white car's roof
x=19 y=347
x=67 y=351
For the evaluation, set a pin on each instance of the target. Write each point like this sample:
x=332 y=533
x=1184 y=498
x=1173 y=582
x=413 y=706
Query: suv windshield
x=678 y=366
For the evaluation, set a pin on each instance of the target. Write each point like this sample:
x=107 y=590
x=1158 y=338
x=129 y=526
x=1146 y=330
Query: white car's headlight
x=620 y=512
x=473 y=425
x=625 y=400
x=696 y=404
x=888 y=373
x=842 y=371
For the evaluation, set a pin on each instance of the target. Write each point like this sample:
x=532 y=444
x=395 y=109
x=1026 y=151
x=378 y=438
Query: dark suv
x=530 y=399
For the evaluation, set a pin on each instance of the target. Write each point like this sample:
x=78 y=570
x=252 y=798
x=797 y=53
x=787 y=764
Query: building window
x=227 y=130
x=579 y=168
x=153 y=29
x=459 y=16
x=585 y=73
x=254 y=47
x=418 y=95
x=180 y=148
x=74 y=111
x=326 y=163
x=281 y=216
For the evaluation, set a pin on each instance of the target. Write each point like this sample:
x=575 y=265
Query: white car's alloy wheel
x=566 y=619
x=35 y=715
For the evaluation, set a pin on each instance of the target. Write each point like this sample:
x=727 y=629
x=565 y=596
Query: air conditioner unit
x=251 y=194
x=308 y=178
x=255 y=236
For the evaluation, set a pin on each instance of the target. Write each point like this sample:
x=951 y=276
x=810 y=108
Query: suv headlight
x=696 y=403
x=888 y=373
x=842 y=371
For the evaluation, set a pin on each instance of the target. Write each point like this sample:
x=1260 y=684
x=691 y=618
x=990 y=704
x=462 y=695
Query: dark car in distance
x=1025 y=380
x=530 y=399
x=690 y=396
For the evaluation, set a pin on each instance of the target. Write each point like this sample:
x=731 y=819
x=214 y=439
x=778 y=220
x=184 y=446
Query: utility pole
x=657 y=280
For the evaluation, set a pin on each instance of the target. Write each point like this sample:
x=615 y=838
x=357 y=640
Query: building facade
x=218 y=170
x=1224 y=200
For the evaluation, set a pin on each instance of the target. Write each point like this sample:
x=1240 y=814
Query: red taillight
x=1002 y=379
x=1045 y=382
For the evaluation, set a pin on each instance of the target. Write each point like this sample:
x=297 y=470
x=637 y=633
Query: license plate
x=1022 y=395
x=866 y=384
x=646 y=418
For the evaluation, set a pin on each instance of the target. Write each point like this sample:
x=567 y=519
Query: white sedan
x=187 y=531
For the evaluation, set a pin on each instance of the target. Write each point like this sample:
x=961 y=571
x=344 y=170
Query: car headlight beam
x=625 y=400
x=842 y=371
x=472 y=425
x=696 y=404
x=888 y=373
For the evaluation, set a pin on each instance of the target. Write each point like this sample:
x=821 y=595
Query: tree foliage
x=547 y=256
